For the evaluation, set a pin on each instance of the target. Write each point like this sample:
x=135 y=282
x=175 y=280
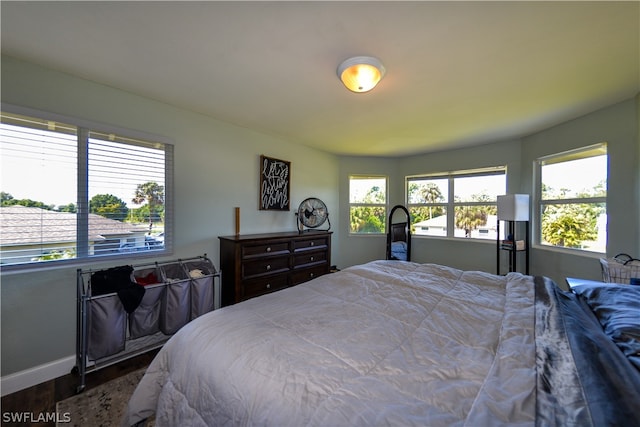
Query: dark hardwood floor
x=42 y=398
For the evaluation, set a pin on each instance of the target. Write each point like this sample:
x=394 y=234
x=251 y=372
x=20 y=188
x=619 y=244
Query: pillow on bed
x=617 y=308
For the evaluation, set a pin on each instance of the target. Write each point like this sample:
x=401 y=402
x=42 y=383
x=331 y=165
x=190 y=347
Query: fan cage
x=302 y=215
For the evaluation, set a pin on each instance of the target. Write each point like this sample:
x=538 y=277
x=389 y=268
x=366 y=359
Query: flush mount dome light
x=361 y=73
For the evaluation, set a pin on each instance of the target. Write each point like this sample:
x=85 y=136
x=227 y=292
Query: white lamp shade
x=513 y=207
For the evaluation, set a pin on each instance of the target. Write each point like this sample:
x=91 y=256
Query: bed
x=399 y=343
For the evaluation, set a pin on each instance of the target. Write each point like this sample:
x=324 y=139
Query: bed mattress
x=367 y=346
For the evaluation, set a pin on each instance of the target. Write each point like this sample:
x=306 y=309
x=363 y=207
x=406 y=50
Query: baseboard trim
x=36 y=375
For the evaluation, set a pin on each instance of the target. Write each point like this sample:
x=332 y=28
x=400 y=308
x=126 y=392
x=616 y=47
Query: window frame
x=592 y=150
x=357 y=204
x=84 y=129
x=450 y=204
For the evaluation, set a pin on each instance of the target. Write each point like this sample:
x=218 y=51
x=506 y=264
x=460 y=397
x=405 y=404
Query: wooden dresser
x=256 y=264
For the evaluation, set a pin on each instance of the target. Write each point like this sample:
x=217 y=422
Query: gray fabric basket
x=145 y=320
x=175 y=310
x=107 y=326
x=201 y=296
x=202 y=291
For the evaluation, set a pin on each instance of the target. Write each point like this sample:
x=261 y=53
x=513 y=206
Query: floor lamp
x=512 y=208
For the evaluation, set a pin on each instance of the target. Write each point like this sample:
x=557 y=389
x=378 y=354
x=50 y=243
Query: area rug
x=101 y=406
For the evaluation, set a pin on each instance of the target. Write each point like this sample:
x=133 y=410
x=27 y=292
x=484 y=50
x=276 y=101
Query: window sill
x=569 y=251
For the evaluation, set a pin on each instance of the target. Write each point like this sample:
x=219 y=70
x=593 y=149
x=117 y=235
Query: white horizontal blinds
x=71 y=192
x=39 y=169
x=599 y=149
x=126 y=190
x=168 y=198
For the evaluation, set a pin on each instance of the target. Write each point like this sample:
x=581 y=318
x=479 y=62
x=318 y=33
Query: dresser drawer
x=255 y=264
x=255 y=287
x=273 y=248
x=307 y=244
x=304 y=275
x=309 y=258
x=262 y=266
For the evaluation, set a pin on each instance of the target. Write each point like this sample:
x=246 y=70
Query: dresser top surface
x=277 y=235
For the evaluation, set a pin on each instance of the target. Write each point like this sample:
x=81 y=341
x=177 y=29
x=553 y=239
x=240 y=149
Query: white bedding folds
x=385 y=343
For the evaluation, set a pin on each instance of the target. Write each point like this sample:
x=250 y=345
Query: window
x=71 y=192
x=456 y=204
x=367 y=204
x=572 y=193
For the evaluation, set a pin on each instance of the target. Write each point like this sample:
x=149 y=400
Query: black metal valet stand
x=511 y=248
x=513 y=209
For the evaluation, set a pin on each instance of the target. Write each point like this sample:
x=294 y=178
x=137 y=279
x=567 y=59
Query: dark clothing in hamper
x=118 y=280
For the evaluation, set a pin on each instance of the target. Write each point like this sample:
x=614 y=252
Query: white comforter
x=385 y=343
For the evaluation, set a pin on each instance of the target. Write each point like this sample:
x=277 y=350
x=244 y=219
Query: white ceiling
x=458 y=73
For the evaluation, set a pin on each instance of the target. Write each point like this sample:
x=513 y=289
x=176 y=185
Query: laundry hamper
x=620 y=269
x=107 y=323
x=202 y=273
x=128 y=310
x=175 y=311
x=145 y=320
x=106 y=317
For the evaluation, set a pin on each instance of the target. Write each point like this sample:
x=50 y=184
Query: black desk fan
x=312 y=213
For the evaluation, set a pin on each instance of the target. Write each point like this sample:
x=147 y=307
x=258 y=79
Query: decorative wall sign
x=275 y=178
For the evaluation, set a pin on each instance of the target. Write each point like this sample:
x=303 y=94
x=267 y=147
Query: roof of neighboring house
x=25 y=225
x=441 y=221
x=437 y=221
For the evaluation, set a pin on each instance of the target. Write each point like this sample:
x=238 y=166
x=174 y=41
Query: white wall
x=636 y=199
x=617 y=125
x=464 y=254
x=216 y=169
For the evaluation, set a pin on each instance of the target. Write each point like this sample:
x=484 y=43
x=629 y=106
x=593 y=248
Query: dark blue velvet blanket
x=584 y=378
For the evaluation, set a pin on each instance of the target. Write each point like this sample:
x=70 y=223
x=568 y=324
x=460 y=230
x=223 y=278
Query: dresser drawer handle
x=268 y=285
x=269 y=249
x=313 y=243
x=311 y=275
x=312 y=258
x=268 y=267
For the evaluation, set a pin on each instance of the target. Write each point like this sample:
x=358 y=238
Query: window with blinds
x=71 y=192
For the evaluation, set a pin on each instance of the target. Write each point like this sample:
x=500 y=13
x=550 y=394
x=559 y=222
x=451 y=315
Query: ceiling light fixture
x=361 y=73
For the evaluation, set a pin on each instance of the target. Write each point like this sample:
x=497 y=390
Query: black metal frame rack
x=176 y=292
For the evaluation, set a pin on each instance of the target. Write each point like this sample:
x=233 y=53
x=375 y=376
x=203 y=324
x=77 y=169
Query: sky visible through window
x=581 y=175
x=360 y=187
x=32 y=172
x=37 y=175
